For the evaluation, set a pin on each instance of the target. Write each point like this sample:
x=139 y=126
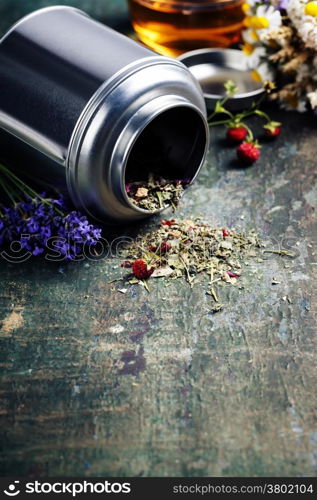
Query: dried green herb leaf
x=162 y=272
x=192 y=248
x=281 y=252
x=216 y=308
x=156 y=193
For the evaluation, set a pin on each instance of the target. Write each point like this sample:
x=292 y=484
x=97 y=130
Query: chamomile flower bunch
x=281 y=40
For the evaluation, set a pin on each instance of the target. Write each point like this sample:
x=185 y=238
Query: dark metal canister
x=79 y=104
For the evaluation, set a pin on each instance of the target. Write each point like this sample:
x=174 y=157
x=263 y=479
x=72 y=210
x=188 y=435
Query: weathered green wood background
x=112 y=12
x=94 y=382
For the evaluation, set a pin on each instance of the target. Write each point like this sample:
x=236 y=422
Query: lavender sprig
x=37 y=220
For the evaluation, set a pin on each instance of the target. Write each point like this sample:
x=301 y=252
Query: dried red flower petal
x=170 y=222
x=165 y=246
x=152 y=248
x=141 y=270
x=127 y=264
x=232 y=275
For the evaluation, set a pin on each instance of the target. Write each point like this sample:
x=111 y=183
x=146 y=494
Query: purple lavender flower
x=34 y=221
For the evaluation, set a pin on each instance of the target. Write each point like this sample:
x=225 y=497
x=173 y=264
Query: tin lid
x=213 y=67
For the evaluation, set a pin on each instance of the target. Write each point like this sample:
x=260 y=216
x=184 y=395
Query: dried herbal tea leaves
x=187 y=248
x=156 y=193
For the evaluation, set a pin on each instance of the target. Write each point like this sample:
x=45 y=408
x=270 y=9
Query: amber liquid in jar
x=171 y=27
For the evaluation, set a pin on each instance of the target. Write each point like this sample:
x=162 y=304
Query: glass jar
x=172 y=27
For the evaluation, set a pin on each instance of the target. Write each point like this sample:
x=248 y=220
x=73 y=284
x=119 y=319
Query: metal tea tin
x=79 y=104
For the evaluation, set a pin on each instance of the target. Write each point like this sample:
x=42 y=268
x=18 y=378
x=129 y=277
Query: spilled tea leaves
x=191 y=249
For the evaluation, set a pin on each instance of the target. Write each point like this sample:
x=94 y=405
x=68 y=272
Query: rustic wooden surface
x=94 y=382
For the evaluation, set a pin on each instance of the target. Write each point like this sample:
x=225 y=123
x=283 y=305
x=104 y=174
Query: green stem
x=25 y=188
x=254 y=110
x=18 y=182
x=239 y=117
x=262 y=114
x=4 y=187
x=227 y=112
x=16 y=190
x=18 y=187
x=248 y=113
x=250 y=133
x=221 y=103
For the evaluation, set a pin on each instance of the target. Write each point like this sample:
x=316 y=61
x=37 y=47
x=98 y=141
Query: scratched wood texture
x=94 y=382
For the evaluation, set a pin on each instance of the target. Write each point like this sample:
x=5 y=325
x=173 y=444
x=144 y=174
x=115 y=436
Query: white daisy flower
x=264 y=71
x=272 y=16
x=267 y=32
x=256 y=57
x=305 y=24
x=312 y=96
x=266 y=19
x=250 y=36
